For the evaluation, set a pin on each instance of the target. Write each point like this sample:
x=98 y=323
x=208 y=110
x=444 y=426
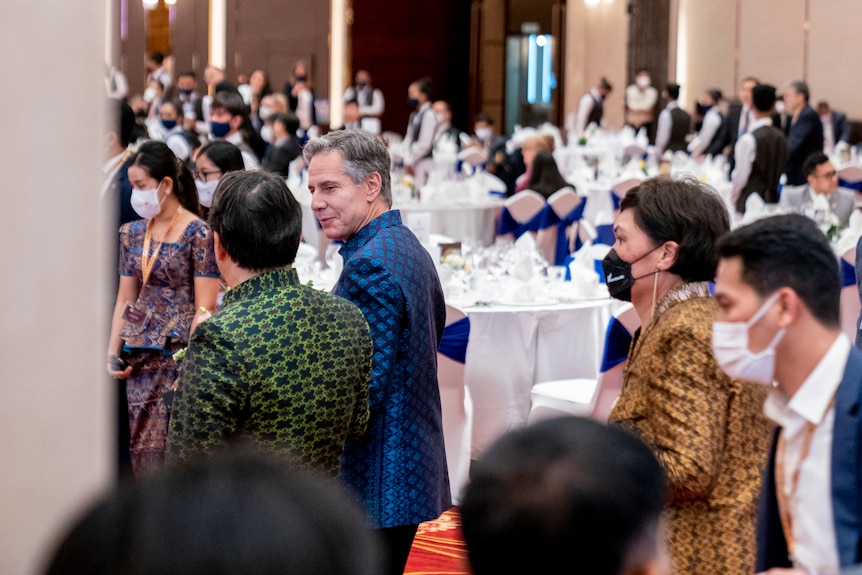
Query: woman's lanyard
x=148 y=260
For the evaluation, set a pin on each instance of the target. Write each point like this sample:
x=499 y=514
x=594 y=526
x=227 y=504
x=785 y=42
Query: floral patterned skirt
x=153 y=373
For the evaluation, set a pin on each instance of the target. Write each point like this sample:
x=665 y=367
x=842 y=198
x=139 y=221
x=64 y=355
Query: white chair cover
x=850 y=304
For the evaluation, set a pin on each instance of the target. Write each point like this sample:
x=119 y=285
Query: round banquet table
x=513 y=347
x=459 y=221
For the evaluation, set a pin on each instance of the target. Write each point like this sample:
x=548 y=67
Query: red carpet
x=439 y=548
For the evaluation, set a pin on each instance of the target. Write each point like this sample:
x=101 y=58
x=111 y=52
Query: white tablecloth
x=513 y=347
x=475 y=220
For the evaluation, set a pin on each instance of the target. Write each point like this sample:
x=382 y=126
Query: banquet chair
x=850 y=304
x=586 y=397
x=521 y=214
x=455 y=399
x=623 y=186
x=850 y=176
x=473 y=156
x=552 y=237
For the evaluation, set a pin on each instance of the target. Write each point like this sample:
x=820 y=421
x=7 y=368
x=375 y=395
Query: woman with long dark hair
x=168 y=282
x=545 y=177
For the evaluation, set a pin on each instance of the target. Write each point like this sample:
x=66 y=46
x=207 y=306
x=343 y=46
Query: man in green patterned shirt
x=281 y=364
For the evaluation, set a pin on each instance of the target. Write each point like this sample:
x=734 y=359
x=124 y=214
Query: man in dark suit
x=739 y=118
x=778 y=291
x=836 y=128
x=804 y=132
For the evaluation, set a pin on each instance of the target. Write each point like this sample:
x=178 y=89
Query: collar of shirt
x=235 y=138
x=389 y=219
x=759 y=123
x=673 y=104
x=812 y=400
x=281 y=141
x=595 y=94
x=274 y=279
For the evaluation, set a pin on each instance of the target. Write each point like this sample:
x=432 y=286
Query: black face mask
x=618 y=275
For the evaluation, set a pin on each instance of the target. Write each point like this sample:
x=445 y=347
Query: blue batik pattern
x=399 y=467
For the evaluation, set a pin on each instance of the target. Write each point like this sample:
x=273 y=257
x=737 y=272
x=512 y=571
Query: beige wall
x=54 y=438
x=721 y=42
x=596 y=39
x=718 y=43
x=833 y=61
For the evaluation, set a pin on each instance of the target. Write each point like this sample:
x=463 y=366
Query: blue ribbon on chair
x=605 y=234
x=615 y=200
x=550 y=218
x=508 y=224
x=617 y=343
x=848 y=273
x=857 y=186
x=454 y=342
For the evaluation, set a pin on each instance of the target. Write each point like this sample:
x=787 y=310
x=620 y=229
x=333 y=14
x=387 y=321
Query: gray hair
x=362 y=152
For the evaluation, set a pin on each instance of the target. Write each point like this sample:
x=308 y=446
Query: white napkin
x=526 y=244
x=522 y=270
x=850 y=235
x=755 y=209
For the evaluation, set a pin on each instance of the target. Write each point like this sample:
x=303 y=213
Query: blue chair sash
x=850 y=185
x=615 y=200
x=454 y=342
x=848 y=273
x=508 y=224
x=617 y=343
x=605 y=234
x=550 y=218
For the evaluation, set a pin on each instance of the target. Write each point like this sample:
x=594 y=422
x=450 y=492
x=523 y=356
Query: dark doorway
x=399 y=42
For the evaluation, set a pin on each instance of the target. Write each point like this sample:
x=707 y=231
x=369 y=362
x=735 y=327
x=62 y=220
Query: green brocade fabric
x=282 y=364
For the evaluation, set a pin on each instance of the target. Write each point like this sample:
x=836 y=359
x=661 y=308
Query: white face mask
x=146 y=202
x=149 y=95
x=206 y=190
x=266 y=134
x=264 y=113
x=642 y=81
x=730 y=346
x=483 y=133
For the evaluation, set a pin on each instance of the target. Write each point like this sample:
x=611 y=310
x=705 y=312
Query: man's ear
x=374 y=184
x=220 y=252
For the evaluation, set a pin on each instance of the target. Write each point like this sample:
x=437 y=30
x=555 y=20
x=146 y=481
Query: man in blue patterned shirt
x=399 y=466
x=283 y=365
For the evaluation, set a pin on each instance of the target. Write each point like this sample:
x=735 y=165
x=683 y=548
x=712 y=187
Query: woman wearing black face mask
x=300 y=96
x=707 y=430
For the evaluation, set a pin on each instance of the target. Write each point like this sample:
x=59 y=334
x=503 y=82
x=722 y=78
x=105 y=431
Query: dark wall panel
x=404 y=41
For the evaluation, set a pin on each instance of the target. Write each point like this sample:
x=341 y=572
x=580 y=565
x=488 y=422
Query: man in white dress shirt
x=760 y=154
x=419 y=138
x=591 y=108
x=822 y=181
x=641 y=98
x=674 y=123
x=711 y=123
x=370 y=100
x=778 y=292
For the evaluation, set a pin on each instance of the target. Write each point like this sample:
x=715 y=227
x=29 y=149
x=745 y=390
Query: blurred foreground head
x=565 y=495
x=236 y=513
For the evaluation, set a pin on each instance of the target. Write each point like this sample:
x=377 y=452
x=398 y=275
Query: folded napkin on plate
x=526 y=244
x=755 y=209
x=850 y=235
x=522 y=270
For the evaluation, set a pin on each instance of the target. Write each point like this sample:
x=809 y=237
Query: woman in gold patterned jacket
x=707 y=430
